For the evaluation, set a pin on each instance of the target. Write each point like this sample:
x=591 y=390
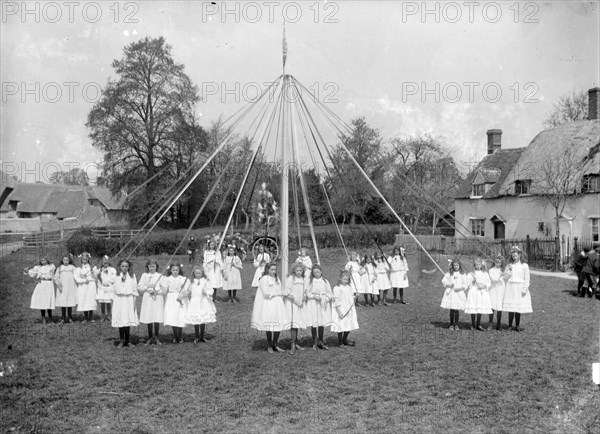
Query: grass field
x=408 y=372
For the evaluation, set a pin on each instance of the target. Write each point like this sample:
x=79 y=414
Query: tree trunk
x=434 y=224
x=557 y=257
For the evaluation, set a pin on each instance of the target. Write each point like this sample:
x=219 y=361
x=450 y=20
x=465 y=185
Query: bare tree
x=557 y=180
x=568 y=108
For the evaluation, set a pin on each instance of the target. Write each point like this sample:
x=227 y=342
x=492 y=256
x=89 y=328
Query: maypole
x=285 y=203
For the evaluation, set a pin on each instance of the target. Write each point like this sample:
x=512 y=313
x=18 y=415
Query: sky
x=450 y=69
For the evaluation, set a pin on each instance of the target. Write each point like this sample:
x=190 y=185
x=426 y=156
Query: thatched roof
x=493 y=168
x=576 y=141
x=570 y=147
x=63 y=200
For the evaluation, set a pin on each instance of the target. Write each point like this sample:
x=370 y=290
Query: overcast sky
x=386 y=61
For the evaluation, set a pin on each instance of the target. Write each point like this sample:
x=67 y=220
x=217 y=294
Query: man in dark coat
x=590 y=270
x=580 y=261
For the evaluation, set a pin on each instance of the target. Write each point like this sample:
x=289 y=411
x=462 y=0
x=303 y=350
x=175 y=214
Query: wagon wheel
x=270 y=244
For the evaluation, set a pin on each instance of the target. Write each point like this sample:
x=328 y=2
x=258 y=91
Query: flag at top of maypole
x=284 y=48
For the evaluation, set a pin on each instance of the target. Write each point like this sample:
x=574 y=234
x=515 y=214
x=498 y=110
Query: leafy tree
x=569 y=108
x=144 y=118
x=353 y=191
x=432 y=180
x=75 y=176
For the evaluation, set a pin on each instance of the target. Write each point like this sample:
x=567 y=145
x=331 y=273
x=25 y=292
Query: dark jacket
x=592 y=265
x=580 y=261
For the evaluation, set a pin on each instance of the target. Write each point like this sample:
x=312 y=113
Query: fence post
x=575 y=246
x=556 y=253
x=528 y=247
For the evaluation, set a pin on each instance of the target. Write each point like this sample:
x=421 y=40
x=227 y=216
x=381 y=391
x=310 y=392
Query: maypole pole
x=285 y=203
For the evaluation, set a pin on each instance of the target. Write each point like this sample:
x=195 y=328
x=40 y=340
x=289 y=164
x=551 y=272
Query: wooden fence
x=117 y=233
x=541 y=252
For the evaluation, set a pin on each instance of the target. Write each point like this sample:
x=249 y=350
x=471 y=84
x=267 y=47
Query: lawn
x=408 y=372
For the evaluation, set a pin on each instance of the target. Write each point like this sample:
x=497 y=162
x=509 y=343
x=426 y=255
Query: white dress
x=124 y=313
x=296 y=309
x=398 y=272
x=307 y=262
x=318 y=312
x=343 y=300
x=269 y=313
x=106 y=279
x=257 y=275
x=175 y=311
x=497 y=289
x=356 y=272
x=213 y=268
x=456 y=297
x=231 y=269
x=260 y=269
x=517 y=297
x=43 y=296
x=369 y=280
x=201 y=309
x=478 y=299
x=381 y=271
x=66 y=288
x=153 y=299
x=86 y=288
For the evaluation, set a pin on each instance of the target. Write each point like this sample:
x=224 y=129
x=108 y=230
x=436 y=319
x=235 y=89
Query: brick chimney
x=594 y=103
x=494 y=141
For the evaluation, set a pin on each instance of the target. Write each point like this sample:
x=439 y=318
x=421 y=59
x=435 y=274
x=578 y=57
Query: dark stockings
x=199 y=330
x=44 y=315
x=272 y=339
x=343 y=338
x=453 y=317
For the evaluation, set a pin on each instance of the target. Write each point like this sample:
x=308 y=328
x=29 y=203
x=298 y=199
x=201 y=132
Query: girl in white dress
x=382 y=270
x=269 y=313
x=456 y=283
x=258 y=273
x=213 y=267
x=478 y=295
x=344 y=312
x=66 y=293
x=124 y=315
x=175 y=287
x=369 y=280
x=398 y=273
x=356 y=272
x=517 y=298
x=295 y=302
x=305 y=260
x=43 y=297
x=201 y=309
x=152 y=312
x=86 y=288
x=232 y=264
x=318 y=306
x=497 y=290
x=105 y=276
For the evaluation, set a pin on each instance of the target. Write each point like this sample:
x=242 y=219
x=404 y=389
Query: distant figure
x=192 y=249
x=580 y=262
x=590 y=270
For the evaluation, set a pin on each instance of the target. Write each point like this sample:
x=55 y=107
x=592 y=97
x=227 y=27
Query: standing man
x=192 y=249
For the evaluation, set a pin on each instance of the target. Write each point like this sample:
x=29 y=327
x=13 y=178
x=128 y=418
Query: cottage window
x=478 y=227
x=522 y=186
x=595 y=225
x=478 y=189
x=590 y=183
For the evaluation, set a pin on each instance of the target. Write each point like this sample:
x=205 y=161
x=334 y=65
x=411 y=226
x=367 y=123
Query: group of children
x=171 y=299
x=304 y=300
x=501 y=289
